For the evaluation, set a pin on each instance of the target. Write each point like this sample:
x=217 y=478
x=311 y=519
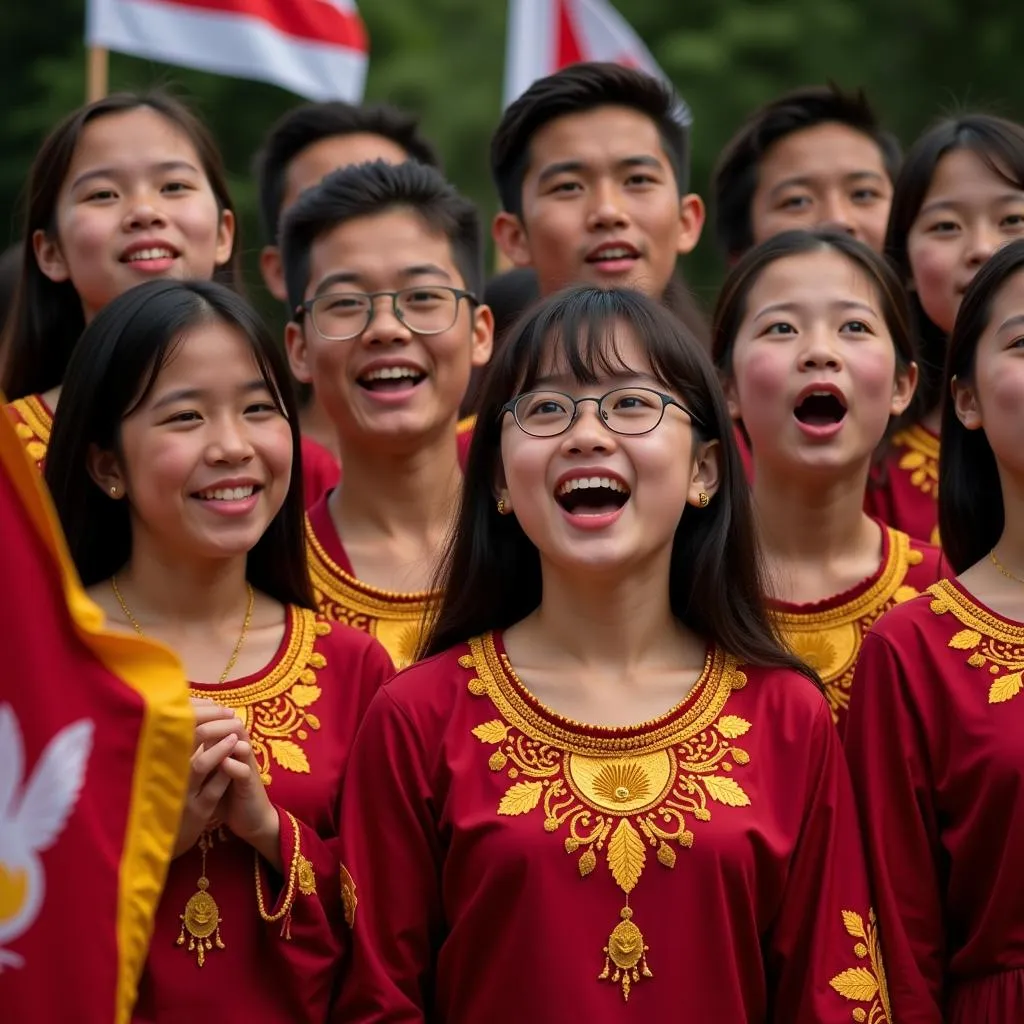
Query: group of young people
x=692 y=714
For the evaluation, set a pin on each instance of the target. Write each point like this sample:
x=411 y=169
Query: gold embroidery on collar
x=618 y=793
x=920 y=460
x=274 y=709
x=34 y=431
x=830 y=641
x=865 y=984
x=395 y=619
x=995 y=643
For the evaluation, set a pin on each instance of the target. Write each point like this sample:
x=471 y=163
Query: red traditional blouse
x=934 y=741
x=232 y=941
x=828 y=634
x=904 y=492
x=508 y=864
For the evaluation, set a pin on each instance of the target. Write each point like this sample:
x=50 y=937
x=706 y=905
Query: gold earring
x=703 y=499
x=501 y=506
x=115 y=491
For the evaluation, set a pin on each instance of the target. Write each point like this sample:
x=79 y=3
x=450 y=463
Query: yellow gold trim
x=466 y=424
x=285 y=913
x=275 y=708
x=614 y=791
x=160 y=771
x=36 y=416
x=994 y=643
x=830 y=640
x=865 y=984
x=920 y=460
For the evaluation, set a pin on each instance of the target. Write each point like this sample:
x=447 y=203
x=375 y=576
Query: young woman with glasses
x=608 y=782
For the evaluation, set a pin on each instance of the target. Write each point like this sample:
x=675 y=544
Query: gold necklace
x=241 y=638
x=1002 y=568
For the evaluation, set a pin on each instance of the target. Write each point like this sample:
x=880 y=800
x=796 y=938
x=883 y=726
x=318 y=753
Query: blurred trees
x=444 y=58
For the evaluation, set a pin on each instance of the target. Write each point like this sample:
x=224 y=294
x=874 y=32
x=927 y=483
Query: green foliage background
x=444 y=59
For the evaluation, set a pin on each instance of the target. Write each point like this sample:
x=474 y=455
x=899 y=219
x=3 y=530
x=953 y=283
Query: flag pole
x=97 y=73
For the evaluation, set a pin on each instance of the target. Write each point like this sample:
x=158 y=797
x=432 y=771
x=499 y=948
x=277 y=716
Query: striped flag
x=318 y=49
x=547 y=35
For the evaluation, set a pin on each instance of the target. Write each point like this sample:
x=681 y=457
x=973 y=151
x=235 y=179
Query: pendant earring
x=501 y=506
x=703 y=499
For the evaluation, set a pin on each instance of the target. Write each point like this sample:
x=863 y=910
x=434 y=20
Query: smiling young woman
x=812 y=340
x=608 y=777
x=174 y=469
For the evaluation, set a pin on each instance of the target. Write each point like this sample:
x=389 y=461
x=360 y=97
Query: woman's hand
x=247 y=809
x=218 y=732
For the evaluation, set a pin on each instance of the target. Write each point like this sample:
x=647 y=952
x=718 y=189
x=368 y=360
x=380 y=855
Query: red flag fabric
x=315 y=48
x=95 y=737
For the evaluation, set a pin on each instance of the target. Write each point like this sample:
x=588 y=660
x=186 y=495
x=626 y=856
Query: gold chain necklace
x=241 y=638
x=1002 y=568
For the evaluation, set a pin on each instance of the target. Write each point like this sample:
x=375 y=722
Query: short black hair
x=369 y=189
x=308 y=124
x=575 y=90
x=734 y=179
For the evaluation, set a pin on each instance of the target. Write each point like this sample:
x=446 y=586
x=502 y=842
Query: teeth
x=619 y=253
x=227 y=493
x=150 y=254
x=584 y=483
x=391 y=373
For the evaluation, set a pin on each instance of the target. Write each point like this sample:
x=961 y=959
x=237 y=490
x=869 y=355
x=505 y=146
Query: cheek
x=932 y=268
x=874 y=371
x=199 y=222
x=761 y=374
x=159 y=469
x=275 y=446
x=85 y=234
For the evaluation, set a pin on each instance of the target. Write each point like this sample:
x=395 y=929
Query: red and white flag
x=315 y=48
x=547 y=35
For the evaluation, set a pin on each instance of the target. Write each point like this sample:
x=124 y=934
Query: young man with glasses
x=383 y=264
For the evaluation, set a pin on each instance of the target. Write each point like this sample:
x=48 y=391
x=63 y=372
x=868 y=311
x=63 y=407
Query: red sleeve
x=306 y=905
x=392 y=853
x=889 y=763
x=823 y=959
x=320 y=471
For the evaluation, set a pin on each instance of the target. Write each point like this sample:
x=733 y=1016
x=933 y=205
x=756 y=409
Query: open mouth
x=391 y=378
x=227 y=493
x=613 y=253
x=821 y=409
x=158 y=252
x=592 y=496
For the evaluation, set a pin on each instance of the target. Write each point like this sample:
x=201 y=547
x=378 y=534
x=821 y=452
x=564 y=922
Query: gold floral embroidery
x=306 y=877
x=349 y=900
x=615 y=795
x=395 y=619
x=35 y=426
x=920 y=459
x=830 y=641
x=275 y=709
x=995 y=644
x=864 y=984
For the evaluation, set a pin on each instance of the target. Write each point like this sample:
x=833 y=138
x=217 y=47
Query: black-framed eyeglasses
x=623 y=410
x=425 y=309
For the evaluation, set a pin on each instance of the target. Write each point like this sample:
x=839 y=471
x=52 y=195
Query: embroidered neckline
x=950 y=596
x=613 y=791
x=331 y=579
x=273 y=705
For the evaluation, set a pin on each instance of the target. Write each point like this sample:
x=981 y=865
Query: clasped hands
x=224 y=785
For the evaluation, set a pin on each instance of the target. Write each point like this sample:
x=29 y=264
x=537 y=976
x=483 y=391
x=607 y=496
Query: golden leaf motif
x=854 y=924
x=312 y=721
x=726 y=791
x=304 y=694
x=520 y=798
x=626 y=855
x=666 y=855
x=965 y=640
x=289 y=755
x=976 y=660
x=491 y=732
x=1005 y=688
x=587 y=863
x=732 y=726
x=857 y=984
x=497 y=761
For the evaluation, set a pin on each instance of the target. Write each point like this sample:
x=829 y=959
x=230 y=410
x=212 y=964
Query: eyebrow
x=354 y=278
x=795 y=307
x=807 y=180
x=1013 y=321
x=194 y=394
x=112 y=172
x=957 y=204
x=571 y=166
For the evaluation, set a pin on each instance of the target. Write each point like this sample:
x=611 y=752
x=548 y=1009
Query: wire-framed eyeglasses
x=425 y=309
x=623 y=410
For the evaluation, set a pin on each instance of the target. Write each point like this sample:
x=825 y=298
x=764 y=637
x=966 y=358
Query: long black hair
x=1000 y=145
x=490 y=575
x=112 y=369
x=971 y=510
x=47 y=319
